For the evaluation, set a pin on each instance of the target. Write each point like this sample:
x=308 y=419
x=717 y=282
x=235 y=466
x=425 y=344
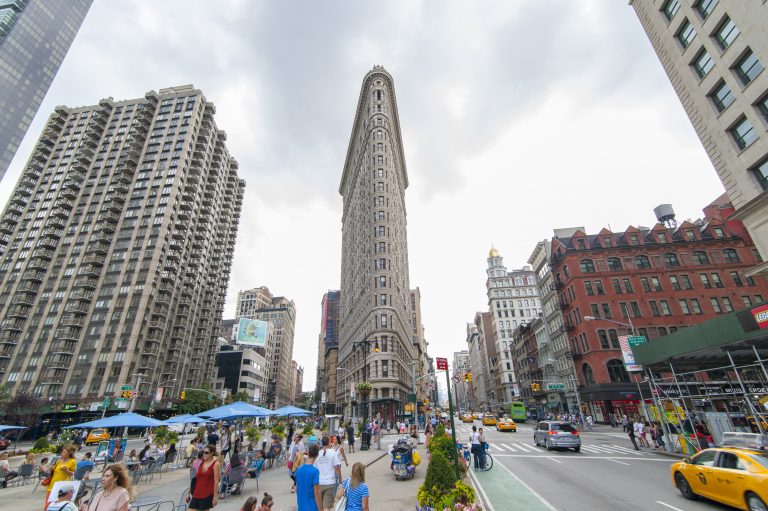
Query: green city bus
x=517 y=411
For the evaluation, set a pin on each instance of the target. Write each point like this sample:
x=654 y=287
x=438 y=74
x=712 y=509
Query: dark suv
x=553 y=434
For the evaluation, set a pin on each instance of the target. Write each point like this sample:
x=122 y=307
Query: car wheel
x=548 y=445
x=755 y=503
x=685 y=489
x=577 y=449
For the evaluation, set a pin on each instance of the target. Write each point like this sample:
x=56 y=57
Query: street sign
x=555 y=386
x=106 y=402
x=456 y=378
x=125 y=393
x=442 y=364
x=636 y=341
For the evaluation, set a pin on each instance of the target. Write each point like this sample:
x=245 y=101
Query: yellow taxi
x=477 y=415
x=467 y=418
x=735 y=474
x=489 y=420
x=96 y=436
x=506 y=424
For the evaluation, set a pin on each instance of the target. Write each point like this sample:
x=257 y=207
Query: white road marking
x=482 y=491
x=576 y=457
x=667 y=505
x=625 y=449
x=533 y=492
x=617 y=461
x=553 y=459
x=526 y=448
x=505 y=446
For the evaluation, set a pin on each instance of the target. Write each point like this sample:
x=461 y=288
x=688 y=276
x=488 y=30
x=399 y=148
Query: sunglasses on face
x=206 y=452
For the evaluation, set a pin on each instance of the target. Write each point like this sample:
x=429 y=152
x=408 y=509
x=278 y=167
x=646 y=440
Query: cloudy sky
x=518 y=117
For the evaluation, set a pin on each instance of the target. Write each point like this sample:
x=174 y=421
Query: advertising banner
x=761 y=316
x=253 y=332
x=629 y=357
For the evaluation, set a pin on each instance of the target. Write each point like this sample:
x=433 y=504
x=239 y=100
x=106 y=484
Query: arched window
x=614 y=263
x=671 y=260
x=642 y=261
x=587 y=266
x=616 y=371
x=730 y=255
x=700 y=257
x=589 y=376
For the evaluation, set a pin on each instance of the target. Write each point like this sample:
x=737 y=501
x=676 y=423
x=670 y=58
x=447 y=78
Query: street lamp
x=627 y=325
x=366 y=343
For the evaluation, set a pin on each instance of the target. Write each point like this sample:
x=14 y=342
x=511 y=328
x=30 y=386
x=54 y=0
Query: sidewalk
x=386 y=493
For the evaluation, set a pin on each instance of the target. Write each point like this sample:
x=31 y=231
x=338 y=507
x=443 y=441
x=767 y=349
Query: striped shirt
x=355 y=495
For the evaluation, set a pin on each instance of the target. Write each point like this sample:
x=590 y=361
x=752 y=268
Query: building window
x=726 y=33
x=762 y=106
x=686 y=34
x=705 y=8
x=587 y=266
x=670 y=9
x=695 y=306
x=642 y=261
x=700 y=257
x=603 y=340
x=665 y=308
x=684 y=306
x=705 y=280
x=703 y=63
x=617 y=372
x=716 y=280
x=748 y=67
x=730 y=255
x=736 y=279
x=616 y=286
x=589 y=376
x=761 y=174
x=747 y=301
x=661 y=237
x=718 y=232
x=743 y=133
x=671 y=260
x=614 y=264
x=654 y=308
x=588 y=288
x=614 y=339
x=715 y=305
x=722 y=96
x=727 y=304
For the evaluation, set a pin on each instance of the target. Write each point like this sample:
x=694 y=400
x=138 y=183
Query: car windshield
x=562 y=427
x=762 y=459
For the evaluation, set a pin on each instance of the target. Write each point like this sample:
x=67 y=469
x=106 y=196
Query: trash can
x=365 y=441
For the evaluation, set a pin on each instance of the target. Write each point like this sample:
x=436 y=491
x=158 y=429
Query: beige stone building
x=117 y=246
x=280 y=312
x=714 y=53
x=375 y=292
x=421 y=361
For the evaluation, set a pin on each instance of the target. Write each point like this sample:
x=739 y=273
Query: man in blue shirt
x=308 y=483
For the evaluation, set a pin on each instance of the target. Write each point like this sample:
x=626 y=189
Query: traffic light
x=183 y=395
x=469 y=377
x=535 y=387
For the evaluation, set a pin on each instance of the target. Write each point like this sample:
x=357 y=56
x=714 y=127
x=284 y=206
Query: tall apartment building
x=652 y=281
x=328 y=351
x=554 y=355
x=280 y=312
x=375 y=290
x=714 y=53
x=421 y=360
x=118 y=241
x=513 y=299
x=35 y=36
x=461 y=368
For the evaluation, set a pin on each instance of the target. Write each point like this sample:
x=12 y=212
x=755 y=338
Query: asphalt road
x=606 y=474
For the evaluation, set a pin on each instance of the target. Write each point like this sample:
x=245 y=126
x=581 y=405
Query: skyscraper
x=328 y=351
x=714 y=53
x=117 y=243
x=280 y=312
x=376 y=342
x=35 y=36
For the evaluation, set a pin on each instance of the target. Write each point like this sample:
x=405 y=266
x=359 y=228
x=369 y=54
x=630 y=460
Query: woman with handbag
x=64 y=470
x=352 y=494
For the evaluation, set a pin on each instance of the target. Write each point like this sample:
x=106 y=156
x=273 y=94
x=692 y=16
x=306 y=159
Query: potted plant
x=364 y=388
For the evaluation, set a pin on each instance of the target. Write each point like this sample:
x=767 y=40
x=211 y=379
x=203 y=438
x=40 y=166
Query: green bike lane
x=501 y=488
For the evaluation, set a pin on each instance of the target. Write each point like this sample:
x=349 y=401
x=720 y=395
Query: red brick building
x=659 y=279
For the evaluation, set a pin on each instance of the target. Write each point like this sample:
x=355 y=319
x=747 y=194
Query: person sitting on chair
x=256 y=464
x=274 y=450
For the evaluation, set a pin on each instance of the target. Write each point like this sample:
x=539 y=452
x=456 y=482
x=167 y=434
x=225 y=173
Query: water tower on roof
x=665 y=215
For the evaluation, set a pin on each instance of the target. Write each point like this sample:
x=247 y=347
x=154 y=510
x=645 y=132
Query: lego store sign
x=761 y=316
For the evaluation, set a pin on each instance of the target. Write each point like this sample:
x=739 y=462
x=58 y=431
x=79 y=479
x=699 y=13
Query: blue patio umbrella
x=123 y=420
x=294 y=411
x=184 y=419
x=9 y=428
x=237 y=410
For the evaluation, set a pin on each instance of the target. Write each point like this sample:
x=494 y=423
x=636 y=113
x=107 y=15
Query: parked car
x=557 y=434
x=4 y=443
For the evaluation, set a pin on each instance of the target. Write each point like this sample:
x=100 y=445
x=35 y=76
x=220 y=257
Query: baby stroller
x=402 y=460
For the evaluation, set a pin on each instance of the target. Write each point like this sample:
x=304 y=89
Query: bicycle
x=467 y=456
x=488 y=459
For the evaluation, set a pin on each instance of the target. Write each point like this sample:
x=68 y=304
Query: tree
x=240 y=396
x=23 y=409
x=196 y=401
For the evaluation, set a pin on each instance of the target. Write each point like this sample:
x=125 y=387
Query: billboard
x=626 y=352
x=253 y=332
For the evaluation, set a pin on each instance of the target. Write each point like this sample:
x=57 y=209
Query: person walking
x=338 y=447
x=205 y=496
x=428 y=433
x=631 y=434
x=289 y=438
x=64 y=469
x=295 y=447
x=226 y=442
x=355 y=489
x=298 y=461
x=329 y=465
x=475 y=446
x=351 y=437
x=117 y=493
x=377 y=434
x=308 y=496
x=644 y=433
x=637 y=425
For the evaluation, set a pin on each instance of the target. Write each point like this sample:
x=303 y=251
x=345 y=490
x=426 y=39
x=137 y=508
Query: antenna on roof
x=665 y=215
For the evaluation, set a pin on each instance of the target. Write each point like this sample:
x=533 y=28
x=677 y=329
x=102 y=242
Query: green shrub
x=308 y=430
x=439 y=474
x=41 y=443
x=440 y=430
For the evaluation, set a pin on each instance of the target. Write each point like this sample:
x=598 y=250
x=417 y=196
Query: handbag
x=47 y=480
x=341 y=505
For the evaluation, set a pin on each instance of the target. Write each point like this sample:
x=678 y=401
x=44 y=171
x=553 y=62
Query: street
x=607 y=474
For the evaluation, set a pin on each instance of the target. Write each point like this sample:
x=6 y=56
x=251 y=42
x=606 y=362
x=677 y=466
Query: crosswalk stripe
x=626 y=450
x=527 y=448
x=590 y=449
x=507 y=446
x=597 y=448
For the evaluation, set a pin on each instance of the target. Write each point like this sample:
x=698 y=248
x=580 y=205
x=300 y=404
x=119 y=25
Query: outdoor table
x=145 y=501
